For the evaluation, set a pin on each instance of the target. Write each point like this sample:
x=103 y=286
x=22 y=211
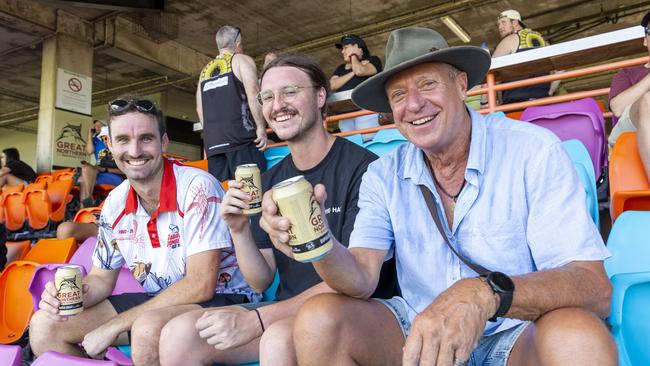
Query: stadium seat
x=44 y=179
x=63 y=174
x=17 y=250
x=52 y=251
x=15 y=311
x=52 y=358
x=356 y=138
x=629 y=187
x=629 y=270
x=275 y=154
x=269 y=293
x=580 y=119
x=33 y=186
x=87 y=215
x=15 y=212
x=11 y=355
x=43 y=274
x=59 y=193
x=201 y=164
x=38 y=207
x=385 y=141
x=583 y=166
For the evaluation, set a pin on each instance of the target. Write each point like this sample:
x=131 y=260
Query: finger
x=446 y=353
x=203 y=322
x=320 y=193
x=85 y=288
x=234 y=184
x=269 y=206
x=412 y=348
x=47 y=307
x=429 y=352
x=235 y=204
x=50 y=289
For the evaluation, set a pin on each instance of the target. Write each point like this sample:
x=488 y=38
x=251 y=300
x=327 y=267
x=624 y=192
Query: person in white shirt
x=163 y=224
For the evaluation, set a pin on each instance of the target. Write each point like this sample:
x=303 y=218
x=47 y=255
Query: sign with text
x=70 y=135
x=73 y=91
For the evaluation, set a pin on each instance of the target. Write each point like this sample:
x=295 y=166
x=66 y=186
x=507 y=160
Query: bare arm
x=199 y=102
x=337 y=82
x=507 y=46
x=248 y=76
x=100 y=285
x=362 y=67
x=629 y=96
x=198 y=285
x=90 y=147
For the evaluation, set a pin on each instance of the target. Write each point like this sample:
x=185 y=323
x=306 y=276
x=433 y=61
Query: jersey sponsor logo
x=213 y=84
x=174 y=237
x=125 y=231
x=332 y=210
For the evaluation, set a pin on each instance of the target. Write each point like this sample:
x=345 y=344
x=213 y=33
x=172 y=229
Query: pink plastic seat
x=580 y=119
x=52 y=358
x=11 y=355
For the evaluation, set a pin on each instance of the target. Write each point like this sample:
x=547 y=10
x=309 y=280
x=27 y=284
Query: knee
x=65 y=230
x=176 y=339
x=320 y=319
x=576 y=331
x=41 y=330
x=277 y=340
x=146 y=328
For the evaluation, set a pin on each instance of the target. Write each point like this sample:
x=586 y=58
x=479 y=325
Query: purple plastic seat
x=11 y=355
x=580 y=119
x=52 y=358
x=84 y=254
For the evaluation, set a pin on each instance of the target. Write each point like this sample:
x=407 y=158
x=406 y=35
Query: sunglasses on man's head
x=141 y=105
x=647 y=30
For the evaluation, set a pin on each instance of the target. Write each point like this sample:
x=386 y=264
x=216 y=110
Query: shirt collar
x=167 y=192
x=414 y=168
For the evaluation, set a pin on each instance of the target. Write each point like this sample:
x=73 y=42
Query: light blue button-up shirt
x=522 y=210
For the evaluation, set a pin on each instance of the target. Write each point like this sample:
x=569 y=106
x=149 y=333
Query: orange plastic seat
x=14 y=210
x=514 y=115
x=201 y=164
x=59 y=193
x=16 y=309
x=224 y=184
x=102 y=190
x=38 y=205
x=629 y=186
x=44 y=179
x=34 y=186
x=17 y=250
x=52 y=251
x=67 y=173
x=87 y=215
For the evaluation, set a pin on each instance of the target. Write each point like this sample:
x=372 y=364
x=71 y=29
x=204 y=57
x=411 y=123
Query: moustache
x=126 y=156
x=284 y=110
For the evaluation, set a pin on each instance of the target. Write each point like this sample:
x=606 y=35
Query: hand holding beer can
x=309 y=237
x=67 y=281
x=249 y=175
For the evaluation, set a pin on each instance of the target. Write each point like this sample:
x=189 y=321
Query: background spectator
x=14 y=172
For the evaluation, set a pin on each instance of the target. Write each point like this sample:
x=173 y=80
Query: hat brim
x=475 y=61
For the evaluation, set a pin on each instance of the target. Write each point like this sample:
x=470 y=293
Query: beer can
x=67 y=281
x=249 y=175
x=308 y=236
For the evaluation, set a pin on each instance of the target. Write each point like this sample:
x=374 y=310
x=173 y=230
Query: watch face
x=501 y=281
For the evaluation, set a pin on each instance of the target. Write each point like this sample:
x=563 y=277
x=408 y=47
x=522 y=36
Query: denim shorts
x=492 y=350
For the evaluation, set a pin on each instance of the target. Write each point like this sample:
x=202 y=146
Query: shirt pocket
x=499 y=246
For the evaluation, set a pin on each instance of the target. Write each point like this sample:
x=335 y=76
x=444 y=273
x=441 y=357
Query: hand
x=275 y=225
x=50 y=304
x=260 y=141
x=97 y=341
x=232 y=205
x=228 y=327
x=451 y=326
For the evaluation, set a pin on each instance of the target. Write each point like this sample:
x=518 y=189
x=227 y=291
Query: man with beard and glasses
x=163 y=224
x=293 y=94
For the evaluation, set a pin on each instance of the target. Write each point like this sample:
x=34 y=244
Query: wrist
x=260 y=323
x=490 y=300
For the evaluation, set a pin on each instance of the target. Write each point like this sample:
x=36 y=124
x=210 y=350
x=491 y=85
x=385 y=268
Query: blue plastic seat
x=274 y=154
x=356 y=138
x=629 y=270
x=385 y=141
x=585 y=170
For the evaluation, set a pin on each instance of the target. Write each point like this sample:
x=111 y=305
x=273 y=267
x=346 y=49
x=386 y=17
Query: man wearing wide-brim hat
x=517 y=274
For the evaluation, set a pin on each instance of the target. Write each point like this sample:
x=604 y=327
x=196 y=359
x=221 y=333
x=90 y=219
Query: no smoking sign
x=75 y=85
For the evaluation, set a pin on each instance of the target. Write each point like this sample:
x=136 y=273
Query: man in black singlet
x=233 y=125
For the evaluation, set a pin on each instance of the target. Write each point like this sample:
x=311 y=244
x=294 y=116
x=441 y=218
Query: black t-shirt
x=21 y=170
x=356 y=80
x=340 y=171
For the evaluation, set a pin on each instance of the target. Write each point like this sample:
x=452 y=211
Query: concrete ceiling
x=187 y=27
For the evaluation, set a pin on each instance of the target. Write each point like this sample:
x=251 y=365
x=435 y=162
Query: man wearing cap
x=516 y=37
x=105 y=170
x=629 y=100
x=234 y=131
x=468 y=195
x=358 y=65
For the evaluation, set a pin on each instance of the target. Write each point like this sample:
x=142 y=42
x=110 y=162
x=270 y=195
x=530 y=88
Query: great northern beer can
x=67 y=281
x=308 y=236
x=249 y=175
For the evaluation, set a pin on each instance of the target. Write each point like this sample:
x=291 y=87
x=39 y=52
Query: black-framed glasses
x=119 y=106
x=287 y=93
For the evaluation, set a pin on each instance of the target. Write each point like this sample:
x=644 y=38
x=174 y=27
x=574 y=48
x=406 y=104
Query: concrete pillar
x=74 y=55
